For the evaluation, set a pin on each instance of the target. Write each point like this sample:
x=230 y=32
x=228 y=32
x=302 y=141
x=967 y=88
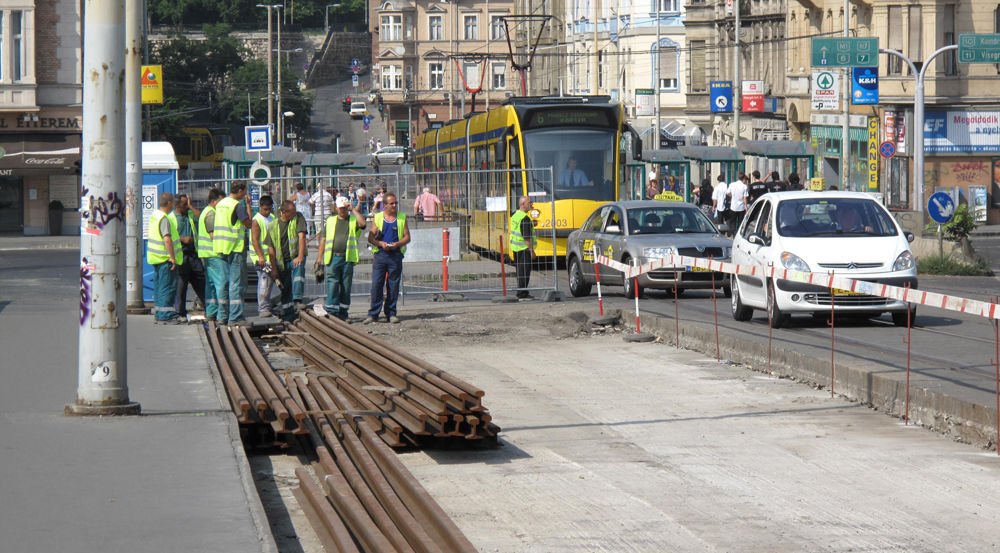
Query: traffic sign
x=978 y=48
x=356 y=66
x=844 y=52
x=258 y=138
x=721 y=93
x=941 y=207
x=887 y=149
x=354 y=81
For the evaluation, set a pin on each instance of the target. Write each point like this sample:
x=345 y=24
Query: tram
x=481 y=165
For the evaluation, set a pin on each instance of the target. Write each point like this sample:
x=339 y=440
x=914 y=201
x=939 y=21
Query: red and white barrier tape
x=932 y=299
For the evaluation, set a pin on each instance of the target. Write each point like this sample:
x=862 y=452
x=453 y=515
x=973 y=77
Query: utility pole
x=281 y=111
x=270 y=67
x=596 y=62
x=845 y=143
x=656 y=81
x=102 y=385
x=737 y=83
x=133 y=154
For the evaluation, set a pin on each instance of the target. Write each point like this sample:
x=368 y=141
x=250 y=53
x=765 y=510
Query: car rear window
x=832 y=217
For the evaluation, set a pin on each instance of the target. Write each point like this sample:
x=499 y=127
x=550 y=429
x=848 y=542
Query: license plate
x=842 y=292
x=696 y=269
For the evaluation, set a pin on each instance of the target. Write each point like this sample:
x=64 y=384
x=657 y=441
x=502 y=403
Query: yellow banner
x=873 y=154
x=152 y=84
x=669 y=196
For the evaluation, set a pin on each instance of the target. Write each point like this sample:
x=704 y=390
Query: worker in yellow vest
x=163 y=253
x=192 y=271
x=213 y=273
x=338 y=252
x=388 y=239
x=522 y=245
x=231 y=219
x=286 y=251
x=258 y=254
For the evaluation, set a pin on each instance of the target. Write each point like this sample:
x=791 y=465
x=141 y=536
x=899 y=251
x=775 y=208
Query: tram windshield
x=582 y=161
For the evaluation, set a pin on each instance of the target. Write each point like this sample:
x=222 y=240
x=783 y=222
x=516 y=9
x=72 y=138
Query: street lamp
x=283 y=117
x=326 y=20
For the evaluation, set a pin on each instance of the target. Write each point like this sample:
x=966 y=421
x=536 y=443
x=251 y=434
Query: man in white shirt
x=719 y=193
x=738 y=192
x=322 y=202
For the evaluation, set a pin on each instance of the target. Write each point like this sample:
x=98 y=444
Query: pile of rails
x=411 y=400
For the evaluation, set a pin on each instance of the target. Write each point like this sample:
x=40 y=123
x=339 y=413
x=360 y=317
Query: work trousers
x=522 y=266
x=339 y=278
x=264 y=285
x=165 y=292
x=287 y=306
x=192 y=272
x=298 y=281
x=387 y=273
x=213 y=273
x=230 y=286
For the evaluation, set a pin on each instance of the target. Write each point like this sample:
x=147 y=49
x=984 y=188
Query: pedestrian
x=258 y=254
x=720 y=200
x=381 y=109
x=338 y=253
x=378 y=144
x=376 y=164
x=163 y=253
x=738 y=193
x=286 y=250
x=652 y=188
x=230 y=221
x=301 y=199
x=322 y=205
x=388 y=238
x=206 y=252
x=377 y=201
x=793 y=182
x=363 y=199
x=757 y=188
x=671 y=184
x=705 y=194
x=776 y=185
x=522 y=243
x=191 y=270
x=426 y=205
x=371 y=144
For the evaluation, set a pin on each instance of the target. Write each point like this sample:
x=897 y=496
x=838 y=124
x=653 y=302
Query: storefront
x=39 y=165
x=826 y=136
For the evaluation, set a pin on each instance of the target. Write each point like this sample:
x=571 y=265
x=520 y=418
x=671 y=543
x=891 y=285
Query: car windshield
x=819 y=216
x=582 y=161
x=668 y=219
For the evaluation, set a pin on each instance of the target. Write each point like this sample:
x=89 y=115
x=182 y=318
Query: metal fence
x=455 y=245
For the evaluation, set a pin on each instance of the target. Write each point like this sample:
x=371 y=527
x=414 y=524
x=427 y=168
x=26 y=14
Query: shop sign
x=873 y=154
x=151 y=83
x=825 y=91
x=962 y=132
x=752 y=97
x=644 y=102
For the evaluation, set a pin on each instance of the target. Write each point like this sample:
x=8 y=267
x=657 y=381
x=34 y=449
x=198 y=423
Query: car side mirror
x=756 y=239
x=909 y=236
x=613 y=229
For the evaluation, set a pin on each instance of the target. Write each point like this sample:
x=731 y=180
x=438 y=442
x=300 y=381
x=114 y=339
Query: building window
x=895 y=36
x=497 y=30
x=669 y=6
x=499 y=76
x=668 y=56
x=916 y=33
x=436 y=27
x=471 y=27
x=392 y=28
x=437 y=75
x=697 y=61
x=392 y=78
x=3 y=49
x=948 y=63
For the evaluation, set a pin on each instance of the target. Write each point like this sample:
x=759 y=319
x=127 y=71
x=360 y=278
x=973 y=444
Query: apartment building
x=40 y=113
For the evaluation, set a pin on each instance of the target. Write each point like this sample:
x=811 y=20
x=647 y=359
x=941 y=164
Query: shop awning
x=670 y=155
x=49 y=153
x=775 y=149
x=711 y=154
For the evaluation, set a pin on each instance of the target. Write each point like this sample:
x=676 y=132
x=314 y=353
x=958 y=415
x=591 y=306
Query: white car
x=389 y=155
x=849 y=234
x=358 y=109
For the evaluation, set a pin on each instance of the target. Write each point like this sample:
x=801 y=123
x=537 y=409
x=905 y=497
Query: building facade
x=40 y=114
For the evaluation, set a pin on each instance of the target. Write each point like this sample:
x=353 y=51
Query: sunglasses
x=390 y=203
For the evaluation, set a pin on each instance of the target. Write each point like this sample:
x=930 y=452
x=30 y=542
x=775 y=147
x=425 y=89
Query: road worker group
x=208 y=250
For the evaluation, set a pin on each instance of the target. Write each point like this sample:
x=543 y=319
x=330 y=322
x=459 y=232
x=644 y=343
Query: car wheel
x=740 y=311
x=630 y=285
x=776 y=318
x=578 y=285
x=899 y=317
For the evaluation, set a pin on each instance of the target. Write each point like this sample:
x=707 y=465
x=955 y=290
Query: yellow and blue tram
x=584 y=139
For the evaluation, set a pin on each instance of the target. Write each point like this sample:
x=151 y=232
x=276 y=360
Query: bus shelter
x=792 y=150
x=730 y=159
x=672 y=163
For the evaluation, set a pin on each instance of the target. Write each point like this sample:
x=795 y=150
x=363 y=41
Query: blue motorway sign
x=941 y=207
x=864 y=86
x=721 y=96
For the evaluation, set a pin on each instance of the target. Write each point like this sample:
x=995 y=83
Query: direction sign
x=721 y=93
x=354 y=80
x=941 y=207
x=978 y=48
x=844 y=52
x=887 y=149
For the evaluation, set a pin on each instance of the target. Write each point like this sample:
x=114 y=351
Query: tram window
x=582 y=161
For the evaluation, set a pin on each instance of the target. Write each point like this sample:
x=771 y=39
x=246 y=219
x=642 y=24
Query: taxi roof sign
x=669 y=197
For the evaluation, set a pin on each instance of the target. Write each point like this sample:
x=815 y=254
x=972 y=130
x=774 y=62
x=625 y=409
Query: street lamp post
x=270 y=65
x=326 y=19
x=281 y=120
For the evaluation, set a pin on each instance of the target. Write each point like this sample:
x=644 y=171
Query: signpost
x=941 y=208
x=258 y=138
x=354 y=81
x=979 y=48
x=844 y=52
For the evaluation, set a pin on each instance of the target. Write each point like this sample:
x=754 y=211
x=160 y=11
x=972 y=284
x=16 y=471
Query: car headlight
x=655 y=253
x=791 y=261
x=904 y=262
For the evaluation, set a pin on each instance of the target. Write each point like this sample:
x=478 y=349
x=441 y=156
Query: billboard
x=961 y=132
x=864 y=86
x=151 y=83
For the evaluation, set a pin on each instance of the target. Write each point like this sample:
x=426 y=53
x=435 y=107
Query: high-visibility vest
x=228 y=236
x=204 y=238
x=156 y=247
x=351 y=253
x=274 y=230
x=400 y=228
x=516 y=240
x=263 y=223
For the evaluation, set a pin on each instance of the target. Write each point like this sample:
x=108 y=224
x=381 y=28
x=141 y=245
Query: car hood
x=862 y=254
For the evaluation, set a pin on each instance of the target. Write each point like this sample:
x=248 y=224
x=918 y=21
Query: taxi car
x=638 y=231
x=849 y=234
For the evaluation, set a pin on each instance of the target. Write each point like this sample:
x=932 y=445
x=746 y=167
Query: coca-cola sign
x=45 y=161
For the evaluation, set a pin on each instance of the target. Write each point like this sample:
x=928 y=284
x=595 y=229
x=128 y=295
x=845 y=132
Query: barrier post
x=996 y=364
x=770 y=326
x=715 y=311
x=597 y=275
x=677 y=317
x=503 y=269
x=638 y=329
x=909 y=325
x=445 y=239
x=833 y=336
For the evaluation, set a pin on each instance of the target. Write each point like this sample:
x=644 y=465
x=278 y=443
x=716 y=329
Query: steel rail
x=239 y=401
x=246 y=383
x=263 y=386
x=335 y=528
x=265 y=368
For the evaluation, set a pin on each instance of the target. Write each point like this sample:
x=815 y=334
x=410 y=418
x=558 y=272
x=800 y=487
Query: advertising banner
x=721 y=96
x=825 y=91
x=752 y=96
x=644 y=102
x=962 y=132
x=151 y=83
x=873 y=154
x=864 y=86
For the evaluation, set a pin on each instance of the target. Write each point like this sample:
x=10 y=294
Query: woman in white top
x=301 y=199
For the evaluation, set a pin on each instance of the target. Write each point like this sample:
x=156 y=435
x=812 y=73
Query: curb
x=960 y=419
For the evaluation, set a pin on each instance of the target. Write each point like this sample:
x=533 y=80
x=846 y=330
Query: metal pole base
x=140 y=309
x=83 y=410
x=639 y=338
x=504 y=299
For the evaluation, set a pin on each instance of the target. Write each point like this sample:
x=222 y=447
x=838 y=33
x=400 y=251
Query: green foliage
x=245 y=14
x=944 y=265
x=961 y=225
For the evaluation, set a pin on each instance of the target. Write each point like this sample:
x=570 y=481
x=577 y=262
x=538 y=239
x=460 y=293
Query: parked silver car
x=640 y=231
x=389 y=155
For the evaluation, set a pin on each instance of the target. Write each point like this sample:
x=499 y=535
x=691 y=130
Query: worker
x=338 y=252
x=208 y=256
x=192 y=270
x=163 y=253
x=229 y=241
x=523 y=243
x=258 y=254
x=388 y=239
x=286 y=250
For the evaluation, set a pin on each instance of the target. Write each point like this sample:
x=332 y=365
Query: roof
x=159 y=156
x=664 y=156
x=634 y=204
x=822 y=194
x=775 y=149
x=711 y=154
